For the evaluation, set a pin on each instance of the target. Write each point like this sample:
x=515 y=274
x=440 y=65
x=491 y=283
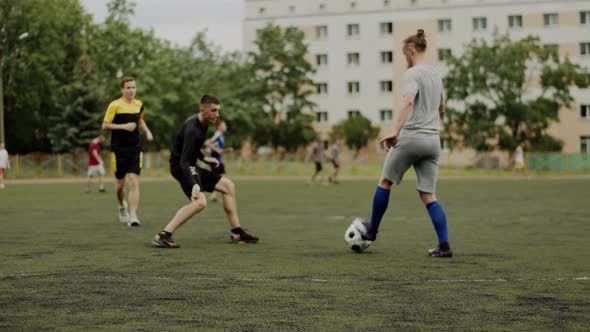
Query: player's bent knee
x=226 y=186
x=199 y=203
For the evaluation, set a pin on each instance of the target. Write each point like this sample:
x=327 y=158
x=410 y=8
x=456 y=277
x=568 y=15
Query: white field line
x=296 y=280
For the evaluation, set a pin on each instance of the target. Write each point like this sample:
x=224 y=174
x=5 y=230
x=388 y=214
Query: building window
x=585 y=17
x=551 y=19
x=353 y=113
x=321 y=88
x=321 y=117
x=261 y=11
x=386 y=86
x=387 y=57
x=413 y=2
x=353 y=59
x=515 y=21
x=354 y=87
x=386 y=115
x=353 y=5
x=480 y=23
x=386 y=3
x=444 y=144
x=444 y=54
x=585 y=144
x=585 y=112
x=386 y=28
x=291 y=9
x=353 y=30
x=585 y=48
x=322 y=7
x=321 y=32
x=551 y=50
x=444 y=25
x=321 y=60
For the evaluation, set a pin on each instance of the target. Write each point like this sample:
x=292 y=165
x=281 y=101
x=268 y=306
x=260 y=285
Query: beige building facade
x=356 y=47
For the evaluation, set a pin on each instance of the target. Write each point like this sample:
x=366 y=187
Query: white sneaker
x=133 y=222
x=123 y=213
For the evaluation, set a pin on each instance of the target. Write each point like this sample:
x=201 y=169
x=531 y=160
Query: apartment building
x=356 y=47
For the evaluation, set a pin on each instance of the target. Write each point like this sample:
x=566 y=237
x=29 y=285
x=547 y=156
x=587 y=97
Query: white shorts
x=95 y=170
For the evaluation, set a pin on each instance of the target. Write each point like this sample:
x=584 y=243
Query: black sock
x=165 y=234
x=237 y=230
x=444 y=246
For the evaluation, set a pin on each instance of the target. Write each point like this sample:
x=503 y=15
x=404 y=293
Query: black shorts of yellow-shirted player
x=193 y=180
x=124 y=118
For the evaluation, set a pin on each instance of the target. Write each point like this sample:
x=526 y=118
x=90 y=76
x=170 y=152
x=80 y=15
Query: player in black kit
x=194 y=179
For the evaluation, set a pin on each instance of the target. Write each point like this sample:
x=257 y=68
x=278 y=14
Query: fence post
x=565 y=163
x=526 y=163
x=17 y=166
x=297 y=155
x=149 y=163
x=59 y=164
x=488 y=162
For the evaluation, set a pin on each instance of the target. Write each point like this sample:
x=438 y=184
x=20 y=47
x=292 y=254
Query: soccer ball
x=354 y=235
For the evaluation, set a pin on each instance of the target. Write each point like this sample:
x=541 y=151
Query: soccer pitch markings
x=300 y=280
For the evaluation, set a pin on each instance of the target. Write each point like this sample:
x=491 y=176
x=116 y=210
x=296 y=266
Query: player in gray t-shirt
x=415 y=142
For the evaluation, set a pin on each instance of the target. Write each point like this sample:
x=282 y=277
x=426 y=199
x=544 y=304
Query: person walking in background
x=335 y=159
x=95 y=164
x=4 y=164
x=124 y=117
x=519 y=158
x=317 y=155
x=217 y=146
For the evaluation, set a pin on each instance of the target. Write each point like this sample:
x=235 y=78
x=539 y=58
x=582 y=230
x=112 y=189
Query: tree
x=492 y=86
x=356 y=132
x=283 y=75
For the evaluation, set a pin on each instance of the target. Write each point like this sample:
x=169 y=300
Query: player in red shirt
x=95 y=163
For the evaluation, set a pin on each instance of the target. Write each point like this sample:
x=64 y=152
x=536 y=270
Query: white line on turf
x=294 y=279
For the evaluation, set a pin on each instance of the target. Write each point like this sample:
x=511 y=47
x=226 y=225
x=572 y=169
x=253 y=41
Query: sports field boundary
x=306 y=178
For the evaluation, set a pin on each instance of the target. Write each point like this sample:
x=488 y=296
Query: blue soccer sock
x=439 y=221
x=380 y=201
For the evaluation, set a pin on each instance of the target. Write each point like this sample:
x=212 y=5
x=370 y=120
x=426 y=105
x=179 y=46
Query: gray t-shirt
x=426 y=84
x=318 y=152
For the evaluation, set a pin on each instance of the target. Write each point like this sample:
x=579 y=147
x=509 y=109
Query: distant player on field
x=4 y=164
x=124 y=118
x=519 y=158
x=335 y=159
x=194 y=180
x=217 y=146
x=95 y=164
x=317 y=155
x=415 y=142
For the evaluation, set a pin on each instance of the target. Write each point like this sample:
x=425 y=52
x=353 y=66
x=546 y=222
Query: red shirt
x=92 y=161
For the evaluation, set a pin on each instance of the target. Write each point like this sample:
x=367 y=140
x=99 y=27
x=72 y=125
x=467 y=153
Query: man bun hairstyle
x=125 y=80
x=418 y=41
x=208 y=99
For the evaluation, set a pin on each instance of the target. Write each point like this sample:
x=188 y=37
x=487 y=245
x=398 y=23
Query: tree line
x=61 y=70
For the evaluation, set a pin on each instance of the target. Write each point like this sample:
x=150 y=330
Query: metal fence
x=295 y=164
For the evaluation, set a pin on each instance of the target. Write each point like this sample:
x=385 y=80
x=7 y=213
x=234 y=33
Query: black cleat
x=164 y=242
x=438 y=252
x=243 y=238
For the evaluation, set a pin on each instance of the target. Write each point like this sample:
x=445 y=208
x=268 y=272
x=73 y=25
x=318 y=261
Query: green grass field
x=520 y=260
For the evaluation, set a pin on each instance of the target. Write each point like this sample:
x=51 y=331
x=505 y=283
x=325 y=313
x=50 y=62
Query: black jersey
x=186 y=148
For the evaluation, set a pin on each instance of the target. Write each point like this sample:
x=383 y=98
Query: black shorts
x=318 y=166
x=203 y=177
x=126 y=162
x=219 y=169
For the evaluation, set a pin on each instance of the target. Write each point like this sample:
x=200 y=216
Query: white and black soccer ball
x=354 y=235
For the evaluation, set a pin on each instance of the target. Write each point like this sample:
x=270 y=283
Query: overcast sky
x=179 y=20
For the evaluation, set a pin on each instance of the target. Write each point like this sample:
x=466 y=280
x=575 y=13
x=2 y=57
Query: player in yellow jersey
x=124 y=118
